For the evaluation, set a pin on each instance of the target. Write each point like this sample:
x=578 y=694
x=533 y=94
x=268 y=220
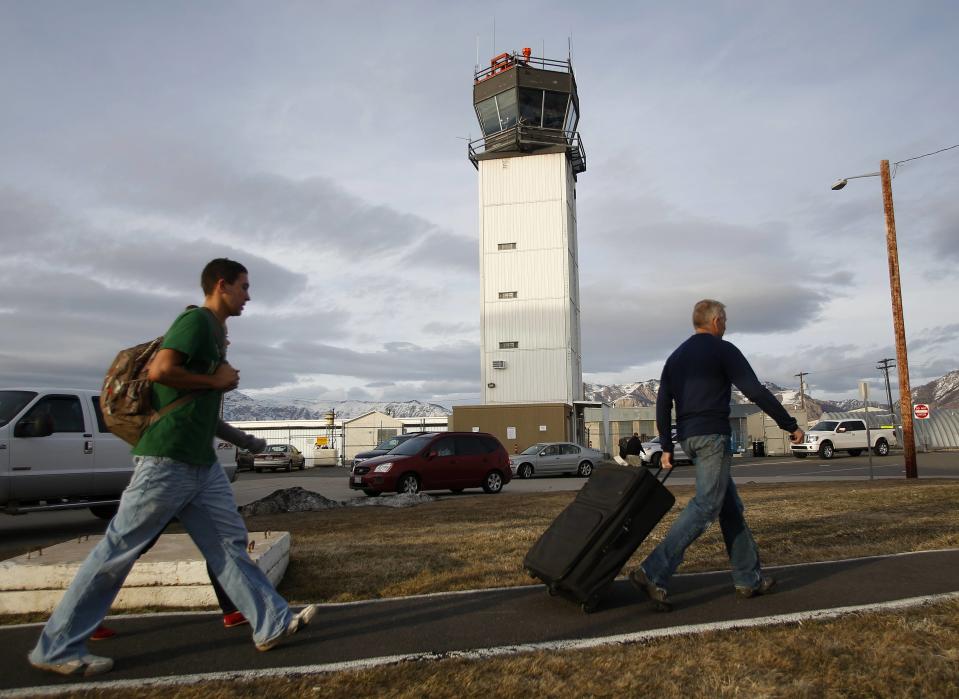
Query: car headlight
x=383 y=468
x=812 y=438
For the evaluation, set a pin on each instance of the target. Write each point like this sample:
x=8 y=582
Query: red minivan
x=436 y=461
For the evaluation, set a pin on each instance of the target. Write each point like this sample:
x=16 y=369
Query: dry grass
x=474 y=542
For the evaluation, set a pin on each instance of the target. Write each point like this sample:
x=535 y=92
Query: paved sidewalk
x=182 y=647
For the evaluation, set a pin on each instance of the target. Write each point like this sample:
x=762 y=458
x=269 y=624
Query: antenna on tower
x=476 y=67
x=493 y=52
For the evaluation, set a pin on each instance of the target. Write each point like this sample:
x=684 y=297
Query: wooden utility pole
x=884 y=365
x=905 y=392
x=802 y=389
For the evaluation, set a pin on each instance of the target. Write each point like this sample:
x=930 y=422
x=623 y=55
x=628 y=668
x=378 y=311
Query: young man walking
x=698 y=378
x=176 y=474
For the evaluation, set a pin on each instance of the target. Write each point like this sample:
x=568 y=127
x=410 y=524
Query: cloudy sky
x=323 y=145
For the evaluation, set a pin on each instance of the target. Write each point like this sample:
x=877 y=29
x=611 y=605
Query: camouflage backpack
x=126 y=400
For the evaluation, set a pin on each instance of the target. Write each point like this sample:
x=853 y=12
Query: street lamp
x=905 y=393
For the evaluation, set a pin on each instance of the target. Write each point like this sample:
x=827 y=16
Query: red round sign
x=921 y=410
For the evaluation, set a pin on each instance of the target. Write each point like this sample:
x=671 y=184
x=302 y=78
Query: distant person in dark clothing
x=634 y=450
x=698 y=378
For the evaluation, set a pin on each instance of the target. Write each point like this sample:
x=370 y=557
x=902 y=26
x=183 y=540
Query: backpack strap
x=170 y=407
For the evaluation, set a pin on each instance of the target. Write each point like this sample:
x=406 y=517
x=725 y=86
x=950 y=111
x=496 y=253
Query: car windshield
x=654 y=440
x=412 y=446
x=535 y=449
x=276 y=448
x=11 y=403
x=390 y=443
x=825 y=426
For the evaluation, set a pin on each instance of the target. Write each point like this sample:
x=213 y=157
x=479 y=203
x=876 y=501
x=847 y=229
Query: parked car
x=277 y=456
x=56 y=453
x=552 y=458
x=436 y=461
x=830 y=436
x=385 y=447
x=653 y=452
x=244 y=460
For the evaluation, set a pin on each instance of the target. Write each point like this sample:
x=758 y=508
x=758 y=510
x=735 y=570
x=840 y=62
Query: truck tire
x=881 y=448
x=826 y=450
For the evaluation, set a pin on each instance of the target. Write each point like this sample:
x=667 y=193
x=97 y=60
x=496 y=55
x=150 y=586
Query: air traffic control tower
x=528 y=159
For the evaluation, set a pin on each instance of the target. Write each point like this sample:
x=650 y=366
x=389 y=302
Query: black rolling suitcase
x=584 y=548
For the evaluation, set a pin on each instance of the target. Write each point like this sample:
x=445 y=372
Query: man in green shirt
x=176 y=474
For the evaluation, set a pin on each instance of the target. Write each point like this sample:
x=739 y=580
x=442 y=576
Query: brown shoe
x=656 y=594
x=766 y=584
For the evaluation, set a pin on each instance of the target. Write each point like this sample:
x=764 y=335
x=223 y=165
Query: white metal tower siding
x=529 y=201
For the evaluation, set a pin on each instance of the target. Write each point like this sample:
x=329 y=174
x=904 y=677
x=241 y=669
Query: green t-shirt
x=186 y=433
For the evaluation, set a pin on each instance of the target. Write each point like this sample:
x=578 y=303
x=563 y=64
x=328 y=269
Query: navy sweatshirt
x=698 y=377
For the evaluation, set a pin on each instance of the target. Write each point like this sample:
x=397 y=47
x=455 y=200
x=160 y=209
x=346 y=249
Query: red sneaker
x=102 y=633
x=234 y=619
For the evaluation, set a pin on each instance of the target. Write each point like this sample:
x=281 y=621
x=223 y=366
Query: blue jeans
x=716 y=497
x=160 y=489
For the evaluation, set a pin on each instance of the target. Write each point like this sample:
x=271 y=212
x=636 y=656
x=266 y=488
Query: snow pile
x=301 y=500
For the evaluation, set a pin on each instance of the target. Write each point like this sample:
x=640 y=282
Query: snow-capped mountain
x=239 y=406
x=943 y=392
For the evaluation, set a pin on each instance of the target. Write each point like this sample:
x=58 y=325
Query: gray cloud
x=622 y=328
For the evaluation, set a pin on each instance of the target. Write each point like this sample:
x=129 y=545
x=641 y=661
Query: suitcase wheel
x=589 y=606
x=551 y=591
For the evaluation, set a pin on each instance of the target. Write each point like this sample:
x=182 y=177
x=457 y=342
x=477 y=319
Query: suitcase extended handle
x=668 y=471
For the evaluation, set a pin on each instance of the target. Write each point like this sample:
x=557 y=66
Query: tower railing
x=505 y=61
x=522 y=138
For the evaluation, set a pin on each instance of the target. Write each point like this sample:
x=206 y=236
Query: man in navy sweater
x=698 y=378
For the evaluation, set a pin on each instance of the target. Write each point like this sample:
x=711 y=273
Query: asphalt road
x=44 y=528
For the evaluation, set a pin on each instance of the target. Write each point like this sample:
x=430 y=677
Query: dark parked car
x=385 y=447
x=244 y=460
x=436 y=461
x=278 y=456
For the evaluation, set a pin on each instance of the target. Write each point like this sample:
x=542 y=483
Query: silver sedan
x=653 y=452
x=554 y=458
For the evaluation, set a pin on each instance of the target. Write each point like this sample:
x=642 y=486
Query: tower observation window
x=554 y=109
x=571 y=117
x=498 y=113
x=530 y=107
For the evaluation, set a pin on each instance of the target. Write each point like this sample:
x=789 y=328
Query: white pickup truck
x=830 y=436
x=56 y=453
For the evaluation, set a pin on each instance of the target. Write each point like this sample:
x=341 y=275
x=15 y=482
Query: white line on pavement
x=496 y=651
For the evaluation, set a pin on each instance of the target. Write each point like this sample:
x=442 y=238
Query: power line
x=896 y=164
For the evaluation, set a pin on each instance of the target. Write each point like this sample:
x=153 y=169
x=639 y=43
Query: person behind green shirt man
x=176 y=474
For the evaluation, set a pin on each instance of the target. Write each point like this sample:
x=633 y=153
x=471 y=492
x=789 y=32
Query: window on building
x=507 y=294
x=506 y=246
x=498 y=112
x=554 y=109
x=512 y=344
